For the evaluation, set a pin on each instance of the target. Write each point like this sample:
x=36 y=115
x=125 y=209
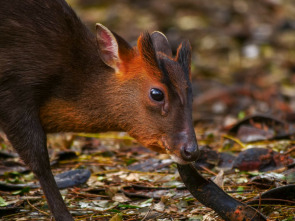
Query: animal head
x=157 y=89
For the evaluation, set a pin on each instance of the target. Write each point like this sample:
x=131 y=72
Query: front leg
x=24 y=130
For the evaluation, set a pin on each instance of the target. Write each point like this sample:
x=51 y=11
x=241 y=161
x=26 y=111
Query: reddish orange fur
x=122 y=110
x=137 y=70
x=61 y=115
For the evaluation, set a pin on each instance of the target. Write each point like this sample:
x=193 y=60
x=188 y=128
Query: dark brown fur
x=53 y=79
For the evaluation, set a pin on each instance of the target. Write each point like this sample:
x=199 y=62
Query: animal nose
x=189 y=152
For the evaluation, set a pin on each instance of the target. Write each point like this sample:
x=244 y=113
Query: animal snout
x=189 y=152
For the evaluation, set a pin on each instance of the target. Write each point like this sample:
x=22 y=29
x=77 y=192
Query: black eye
x=157 y=94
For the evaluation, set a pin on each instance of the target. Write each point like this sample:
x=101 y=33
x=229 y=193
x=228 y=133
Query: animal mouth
x=173 y=156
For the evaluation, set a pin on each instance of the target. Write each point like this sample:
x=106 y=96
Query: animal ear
x=183 y=57
x=161 y=43
x=126 y=52
x=107 y=46
x=147 y=50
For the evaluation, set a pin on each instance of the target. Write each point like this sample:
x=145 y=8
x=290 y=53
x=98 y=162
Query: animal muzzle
x=189 y=152
x=181 y=149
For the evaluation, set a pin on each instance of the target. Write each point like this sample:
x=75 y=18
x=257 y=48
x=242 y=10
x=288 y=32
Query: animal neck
x=100 y=107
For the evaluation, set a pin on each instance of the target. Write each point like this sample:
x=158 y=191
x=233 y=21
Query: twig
x=289 y=151
x=148 y=212
x=208 y=170
x=235 y=140
x=41 y=211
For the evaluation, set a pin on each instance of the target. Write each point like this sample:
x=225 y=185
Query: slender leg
x=24 y=130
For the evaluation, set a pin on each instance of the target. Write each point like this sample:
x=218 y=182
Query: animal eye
x=157 y=94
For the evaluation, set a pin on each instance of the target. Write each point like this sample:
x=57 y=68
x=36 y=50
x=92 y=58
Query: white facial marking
x=178 y=160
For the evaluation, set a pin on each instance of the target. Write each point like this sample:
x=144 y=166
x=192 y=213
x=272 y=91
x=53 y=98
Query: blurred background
x=243 y=51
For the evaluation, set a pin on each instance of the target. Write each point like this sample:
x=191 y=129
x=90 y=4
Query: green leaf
x=3 y=202
x=22 y=191
x=241 y=115
x=130 y=161
x=240 y=189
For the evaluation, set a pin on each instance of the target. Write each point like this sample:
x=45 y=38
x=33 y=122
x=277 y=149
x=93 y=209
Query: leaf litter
x=242 y=67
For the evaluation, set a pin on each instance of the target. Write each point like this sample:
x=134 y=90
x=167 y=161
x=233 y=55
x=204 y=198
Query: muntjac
x=57 y=76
